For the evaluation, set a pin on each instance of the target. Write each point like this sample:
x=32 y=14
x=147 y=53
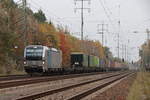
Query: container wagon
x=88 y=63
x=79 y=59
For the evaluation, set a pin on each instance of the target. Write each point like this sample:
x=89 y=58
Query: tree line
x=39 y=32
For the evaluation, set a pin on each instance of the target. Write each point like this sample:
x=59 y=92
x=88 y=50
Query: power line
x=109 y=11
x=45 y=10
x=57 y=19
x=82 y=15
x=102 y=28
x=21 y=20
x=25 y=20
x=119 y=34
x=108 y=16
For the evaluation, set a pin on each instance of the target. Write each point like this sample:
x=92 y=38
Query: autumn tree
x=75 y=43
x=51 y=36
x=65 y=47
x=8 y=39
x=38 y=32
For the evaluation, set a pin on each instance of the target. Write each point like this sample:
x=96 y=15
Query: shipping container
x=101 y=62
x=93 y=61
x=96 y=61
x=79 y=59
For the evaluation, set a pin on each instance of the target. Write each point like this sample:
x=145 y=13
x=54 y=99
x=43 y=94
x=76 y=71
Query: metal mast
x=25 y=22
x=119 y=34
x=82 y=15
x=102 y=28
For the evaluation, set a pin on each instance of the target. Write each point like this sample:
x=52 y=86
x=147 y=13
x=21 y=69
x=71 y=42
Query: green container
x=85 y=60
x=90 y=61
x=94 y=61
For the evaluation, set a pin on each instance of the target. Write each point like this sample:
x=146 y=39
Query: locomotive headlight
x=25 y=62
x=43 y=62
x=76 y=63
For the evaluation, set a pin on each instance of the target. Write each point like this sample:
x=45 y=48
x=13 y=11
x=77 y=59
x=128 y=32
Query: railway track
x=13 y=77
x=90 y=91
x=105 y=81
x=25 y=80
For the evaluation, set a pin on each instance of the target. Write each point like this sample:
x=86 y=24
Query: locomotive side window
x=34 y=53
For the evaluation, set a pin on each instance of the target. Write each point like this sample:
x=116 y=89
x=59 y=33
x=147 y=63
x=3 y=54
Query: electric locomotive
x=41 y=59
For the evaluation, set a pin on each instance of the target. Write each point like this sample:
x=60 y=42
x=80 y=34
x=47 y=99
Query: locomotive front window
x=34 y=53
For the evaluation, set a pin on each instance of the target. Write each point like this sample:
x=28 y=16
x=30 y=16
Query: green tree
x=108 y=53
x=145 y=54
x=40 y=16
x=8 y=40
x=7 y=3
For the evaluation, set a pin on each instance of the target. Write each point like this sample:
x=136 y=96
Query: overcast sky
x=134 y=16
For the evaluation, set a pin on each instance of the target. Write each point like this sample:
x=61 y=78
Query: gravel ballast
x=117 y=92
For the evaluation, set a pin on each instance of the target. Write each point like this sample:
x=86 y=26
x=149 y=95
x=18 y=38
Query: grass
x=18 y=73
x=140 y=89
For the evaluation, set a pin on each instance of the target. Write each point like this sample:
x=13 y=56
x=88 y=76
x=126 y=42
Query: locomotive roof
x=52 y=49
x=34 y=46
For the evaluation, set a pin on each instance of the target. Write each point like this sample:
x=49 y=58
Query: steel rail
x=34 y=80
x=90 y=91
x=50 y=92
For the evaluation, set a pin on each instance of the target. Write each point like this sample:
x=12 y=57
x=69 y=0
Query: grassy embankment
x=13 y=72
x=140 y=90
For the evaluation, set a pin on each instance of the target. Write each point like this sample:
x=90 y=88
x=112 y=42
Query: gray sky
x=134 y=16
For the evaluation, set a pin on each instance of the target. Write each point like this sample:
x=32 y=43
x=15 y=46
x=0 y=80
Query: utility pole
x=122 y=51
x=148 y=35
x=125 y=52
x=25 y=22
x=148 y=47
x=118 y=47
x=119 y=34
x=102 y=28
x=82 y=15
x=128 y=59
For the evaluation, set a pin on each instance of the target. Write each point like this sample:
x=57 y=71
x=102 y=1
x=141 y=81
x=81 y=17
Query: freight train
x=43 y=60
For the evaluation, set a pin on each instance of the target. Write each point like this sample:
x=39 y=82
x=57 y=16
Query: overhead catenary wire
x=109 y=11
x=59 y=21
x=19 y=3
x=82 y=15
x=109 y=18
x=107 y=15
x=37 y=7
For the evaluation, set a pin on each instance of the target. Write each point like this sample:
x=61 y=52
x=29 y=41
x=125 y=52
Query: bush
x=8 y=66
x=1 y=70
